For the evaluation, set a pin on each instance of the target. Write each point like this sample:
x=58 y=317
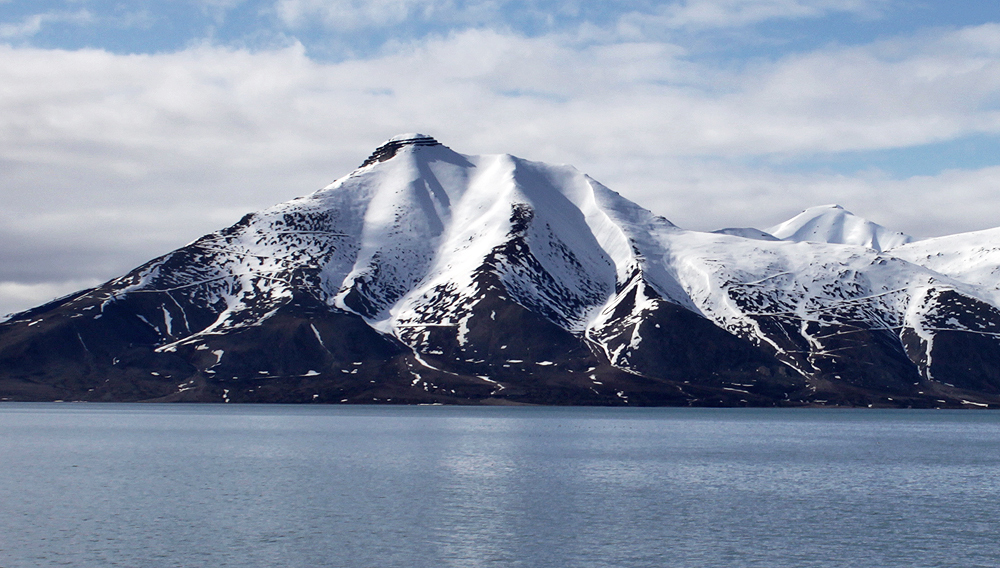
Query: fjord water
x=216 y=485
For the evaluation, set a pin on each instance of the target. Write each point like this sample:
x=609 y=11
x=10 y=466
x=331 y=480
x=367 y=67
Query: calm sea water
x=215 y=485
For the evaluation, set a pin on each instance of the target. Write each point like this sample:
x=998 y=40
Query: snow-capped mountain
x=431 y=276
x=834 y=224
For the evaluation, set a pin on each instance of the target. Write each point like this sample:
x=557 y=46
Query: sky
x=128 y=129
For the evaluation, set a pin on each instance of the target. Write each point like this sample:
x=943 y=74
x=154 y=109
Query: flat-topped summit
x=389 y=148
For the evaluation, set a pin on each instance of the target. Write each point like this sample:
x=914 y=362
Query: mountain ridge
x=429 y=276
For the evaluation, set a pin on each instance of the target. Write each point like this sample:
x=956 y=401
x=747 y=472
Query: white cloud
x=33 y=24
x=220 y=4
x=354 y=14
x=218 y=9
x=108 y=160
x=735 y=13
x=692 y=14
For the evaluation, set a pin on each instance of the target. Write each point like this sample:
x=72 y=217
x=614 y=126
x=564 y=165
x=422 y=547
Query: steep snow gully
x=429 y=276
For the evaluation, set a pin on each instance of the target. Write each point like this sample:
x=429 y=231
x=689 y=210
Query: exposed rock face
x=428 y=276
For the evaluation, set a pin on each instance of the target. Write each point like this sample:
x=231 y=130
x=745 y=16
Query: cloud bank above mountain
x=711 y=113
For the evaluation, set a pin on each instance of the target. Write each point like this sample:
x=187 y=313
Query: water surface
x=304 y=486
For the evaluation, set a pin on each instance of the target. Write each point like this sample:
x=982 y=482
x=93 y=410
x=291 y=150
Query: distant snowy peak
x=834 y=224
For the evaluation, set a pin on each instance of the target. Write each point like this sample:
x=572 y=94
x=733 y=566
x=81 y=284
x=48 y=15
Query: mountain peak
x=389 y=148
x=834 y=224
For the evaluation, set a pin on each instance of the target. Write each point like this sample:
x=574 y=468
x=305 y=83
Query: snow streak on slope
x=832 y=224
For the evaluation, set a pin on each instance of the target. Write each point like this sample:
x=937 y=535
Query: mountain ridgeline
x=427 y=276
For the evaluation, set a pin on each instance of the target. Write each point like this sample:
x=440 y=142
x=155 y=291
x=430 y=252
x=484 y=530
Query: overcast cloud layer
x=713 y=113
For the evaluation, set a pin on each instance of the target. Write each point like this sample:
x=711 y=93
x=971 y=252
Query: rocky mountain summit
x=429 y=276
